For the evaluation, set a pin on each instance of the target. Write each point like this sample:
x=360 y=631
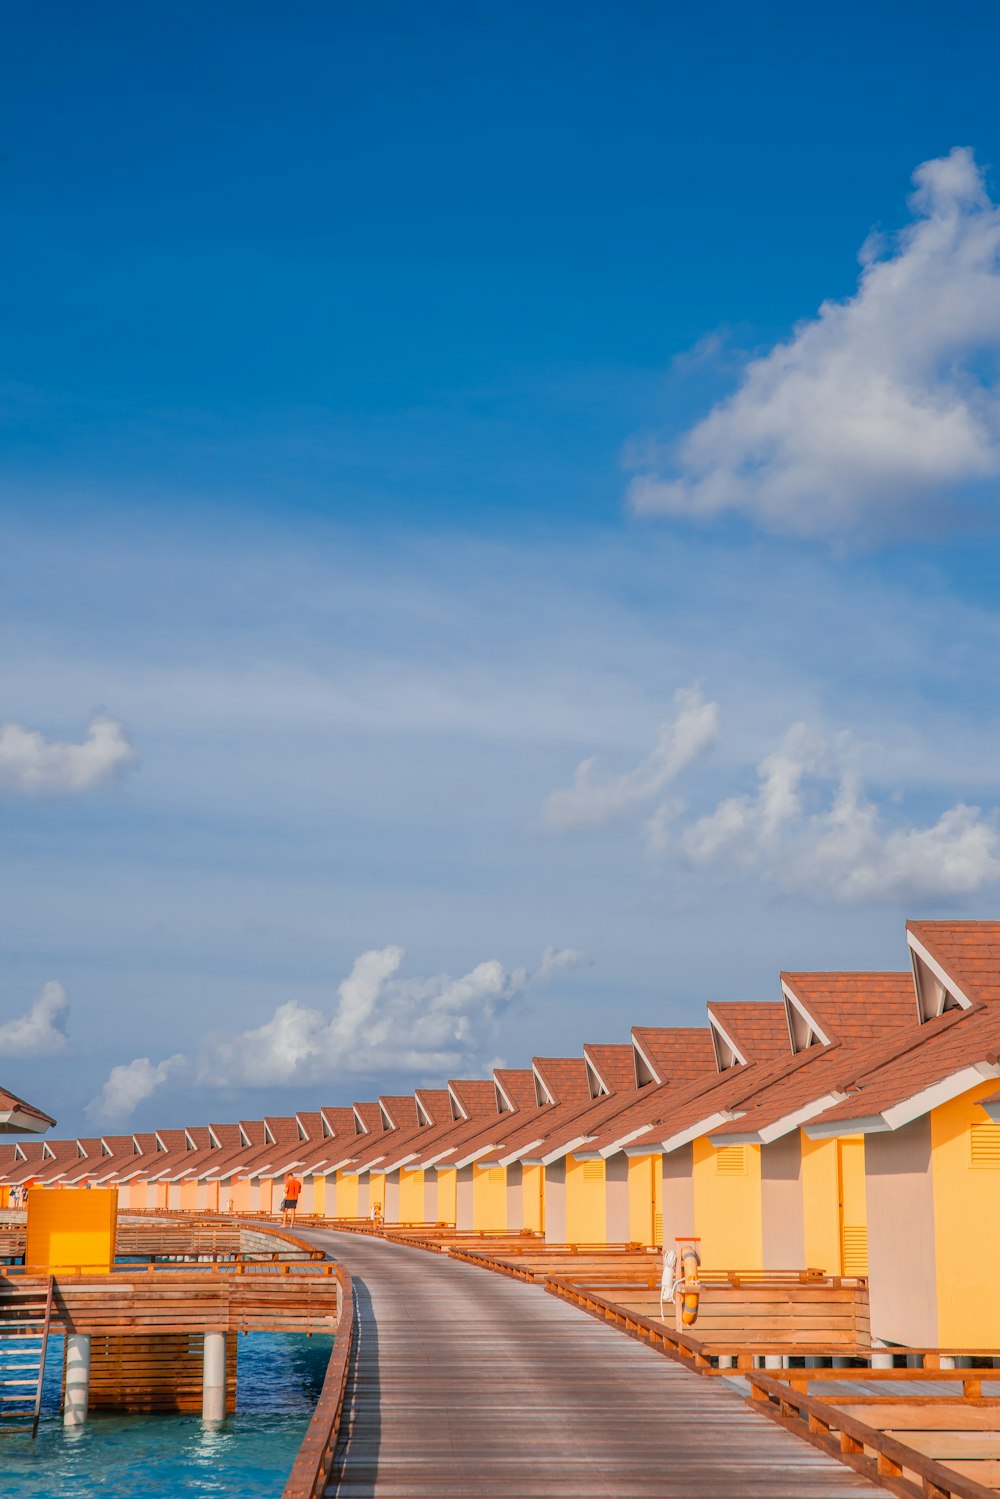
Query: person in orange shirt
x=293 y=1191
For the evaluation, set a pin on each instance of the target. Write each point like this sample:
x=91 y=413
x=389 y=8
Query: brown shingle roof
x=676 y=1052
x=519 y=1086
x=614 y=1065
x=967 y=950
x=758 y=1029
x=565 y=1078
x=855 y=1007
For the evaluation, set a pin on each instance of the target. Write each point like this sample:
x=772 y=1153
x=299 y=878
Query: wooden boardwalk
x=469 y=1384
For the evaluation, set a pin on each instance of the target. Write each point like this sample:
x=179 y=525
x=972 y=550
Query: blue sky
x=399 y=410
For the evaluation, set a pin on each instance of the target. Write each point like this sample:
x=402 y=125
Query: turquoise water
x=175 y=1457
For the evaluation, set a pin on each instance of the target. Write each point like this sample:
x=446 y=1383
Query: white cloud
x=595 y=798
x=381 y=1024
x=810 y=826
x=129 y=1085
x=34 y=766
x=42 y=1031
x=883 y=408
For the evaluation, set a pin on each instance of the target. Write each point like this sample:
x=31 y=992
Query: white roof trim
x=457 y=1102
x=562 y=1151
x=623 y=1140
x=703 y=1127
x=718 y=1026
x=469 y=1160
x=654 y=1071
x=504 y=1094
x=939 y=973
x=520 y=1152
x=784 y=1126
x=810 y=1020
x=863 y=1124
x=541 y=1083
x=939 y=1093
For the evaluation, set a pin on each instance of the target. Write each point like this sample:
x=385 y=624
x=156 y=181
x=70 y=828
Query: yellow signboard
x=71 y=1230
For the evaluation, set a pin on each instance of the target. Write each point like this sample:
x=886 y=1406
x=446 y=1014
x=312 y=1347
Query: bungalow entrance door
x=853 y=1213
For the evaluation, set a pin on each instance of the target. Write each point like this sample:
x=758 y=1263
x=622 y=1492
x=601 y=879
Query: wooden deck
x=469 y=1384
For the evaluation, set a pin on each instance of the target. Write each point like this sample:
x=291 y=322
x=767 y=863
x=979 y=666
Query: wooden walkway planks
x=469 y=1384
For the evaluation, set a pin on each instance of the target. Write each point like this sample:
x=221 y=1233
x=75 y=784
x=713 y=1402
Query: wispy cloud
x=811 y=826
x=596 y=797
x=381 y=1024
x=31 y=765
x=128 y=1086
x=41 y=1031
x=883 y=408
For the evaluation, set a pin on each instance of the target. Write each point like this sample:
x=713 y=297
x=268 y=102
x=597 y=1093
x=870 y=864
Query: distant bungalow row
x=851 y=1127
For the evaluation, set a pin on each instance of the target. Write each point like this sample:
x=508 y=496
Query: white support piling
x=77 y=1379
x=882 y=1361
x=213 y=1379
x=772 y=1361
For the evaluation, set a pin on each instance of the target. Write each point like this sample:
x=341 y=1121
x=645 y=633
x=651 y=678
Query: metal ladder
x=25 y=1316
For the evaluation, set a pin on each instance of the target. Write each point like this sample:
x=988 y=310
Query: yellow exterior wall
x=853 y=1208
x=489 y=1199
x=821 y=1205
x=71 y=1229
x=347 y=1195
x=447 y=1196
x=645 y=1182
x=727 y=1207
x=966 y=1222
x=319 y=1196
x=411 y=1196
x=586 y=1205
x=533 y=1197
x=189 y=1197
x=376 y=1190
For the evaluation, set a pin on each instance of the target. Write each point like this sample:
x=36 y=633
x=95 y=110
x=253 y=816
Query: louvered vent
x=593 y=1171
x=854 y=1248
x=495 y=1174
x=985 y=1146
x=657 y=1228
x=731 y=1160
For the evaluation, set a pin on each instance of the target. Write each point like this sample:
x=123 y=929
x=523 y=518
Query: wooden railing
x=311 y=1467
x=875 y=1454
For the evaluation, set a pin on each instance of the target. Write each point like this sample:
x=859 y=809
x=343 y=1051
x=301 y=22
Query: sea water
x=177 y=1457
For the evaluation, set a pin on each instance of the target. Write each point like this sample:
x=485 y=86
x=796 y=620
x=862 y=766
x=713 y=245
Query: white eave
x=695 y=1131
x=562 y=1151
x=778 y=1128
x=861 y=1124
x=625 y=1140
x=943 y=978
x=14 y=1120
x=521 y=1152
x=475 y=1155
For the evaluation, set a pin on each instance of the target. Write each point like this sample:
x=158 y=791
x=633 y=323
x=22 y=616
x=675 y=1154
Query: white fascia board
x=562 y=1151
x=366 y=1168
x=716 y=1024
x=744 y=1137
x=938 y=972
x=127 y=1176
x=332 y=1167
x=813 y=1024
x=587 y=1155
x=475 y=1155
x=404 y=1160
x=694 y=1131
x=432 y=1162
x=521 y=1152
x=939 y=1093
x=653 y=1147
x=862 y=1124
x=653 y=1071
x=781 y=1127
x=15 y=1120
x=625 y=1140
